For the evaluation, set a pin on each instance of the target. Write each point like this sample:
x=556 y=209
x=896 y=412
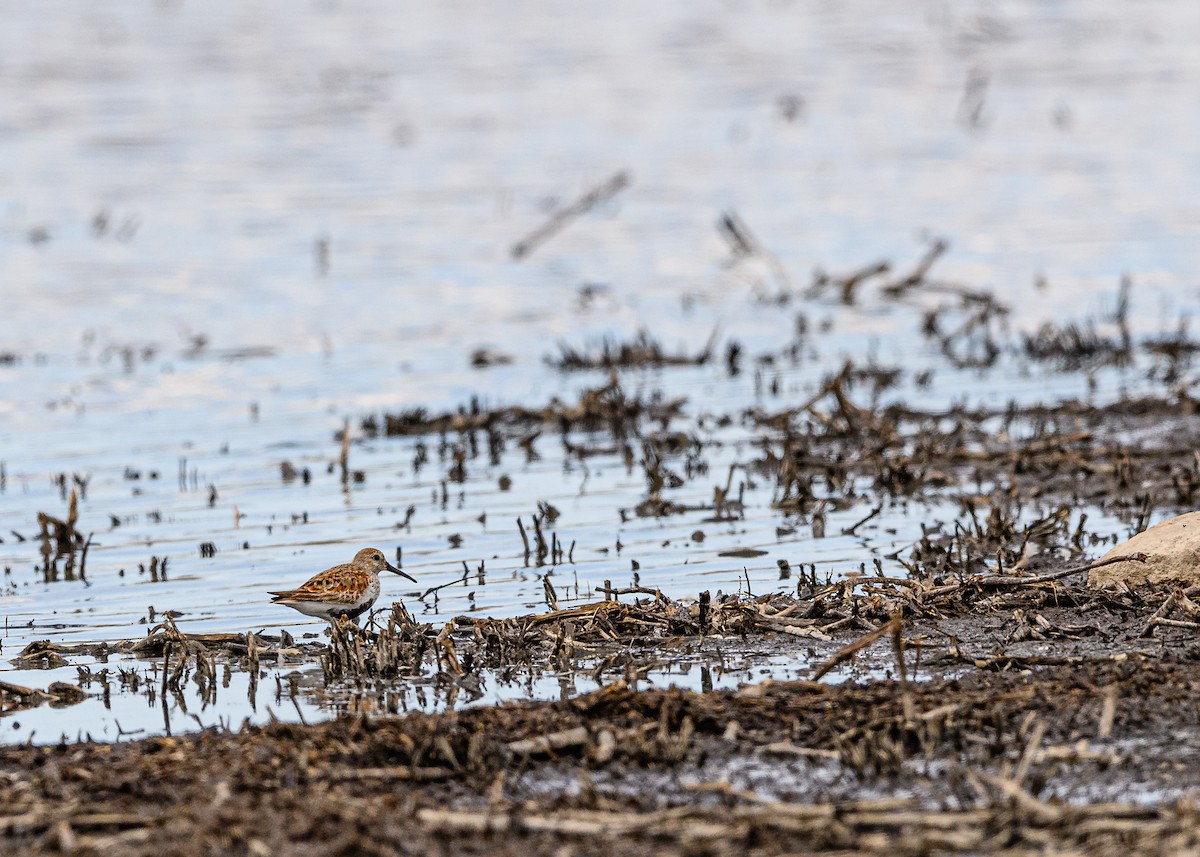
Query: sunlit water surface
x=226 y=228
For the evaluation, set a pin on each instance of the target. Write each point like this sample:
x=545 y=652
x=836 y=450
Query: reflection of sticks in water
x=849 y=531
x=344 y=456
x=60 y=539
x=83 y=557
x=643 y=350
x=524 y=539
x=919 y=273
x=974 y=99
x=743 y=244
x=853 y=280
x=562 y=217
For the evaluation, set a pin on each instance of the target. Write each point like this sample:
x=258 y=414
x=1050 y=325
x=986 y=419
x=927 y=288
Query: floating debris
x=643 y=350
x=564 y=216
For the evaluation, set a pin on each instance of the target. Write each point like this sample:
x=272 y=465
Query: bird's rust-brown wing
x=340 y=583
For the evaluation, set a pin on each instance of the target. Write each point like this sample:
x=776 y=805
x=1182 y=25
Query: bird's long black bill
x=395 y=570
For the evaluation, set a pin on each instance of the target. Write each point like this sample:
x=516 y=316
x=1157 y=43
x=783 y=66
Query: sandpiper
x=345 y=590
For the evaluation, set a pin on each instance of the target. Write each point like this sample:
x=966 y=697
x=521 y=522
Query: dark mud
x=990 y=761
x=965 y=692
x=568 y=335
x=1015 y=713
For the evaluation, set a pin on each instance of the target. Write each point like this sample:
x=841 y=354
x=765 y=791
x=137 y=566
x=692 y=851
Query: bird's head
x=374 y=559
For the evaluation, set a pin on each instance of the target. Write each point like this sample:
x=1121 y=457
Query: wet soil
x=1009 y=716
x=871 y=496
x=978 y=763
x=965 y=693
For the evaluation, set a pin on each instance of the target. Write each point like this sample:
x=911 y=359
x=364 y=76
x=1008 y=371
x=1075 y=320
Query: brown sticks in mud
x=620 y=772
x=865 y=826
x=892 y=626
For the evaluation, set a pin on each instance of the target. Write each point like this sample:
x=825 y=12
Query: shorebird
x=345 y=590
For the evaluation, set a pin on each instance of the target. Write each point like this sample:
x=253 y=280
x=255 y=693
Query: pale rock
x=1172 y=556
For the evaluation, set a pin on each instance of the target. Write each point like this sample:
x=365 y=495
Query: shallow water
x=224 y=230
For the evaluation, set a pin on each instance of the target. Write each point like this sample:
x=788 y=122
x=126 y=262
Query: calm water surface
x=225 y=229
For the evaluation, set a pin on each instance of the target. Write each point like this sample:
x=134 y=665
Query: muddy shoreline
x=1063 y=757
x=748 y=388
x=1020 y=718
x=967 y=693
